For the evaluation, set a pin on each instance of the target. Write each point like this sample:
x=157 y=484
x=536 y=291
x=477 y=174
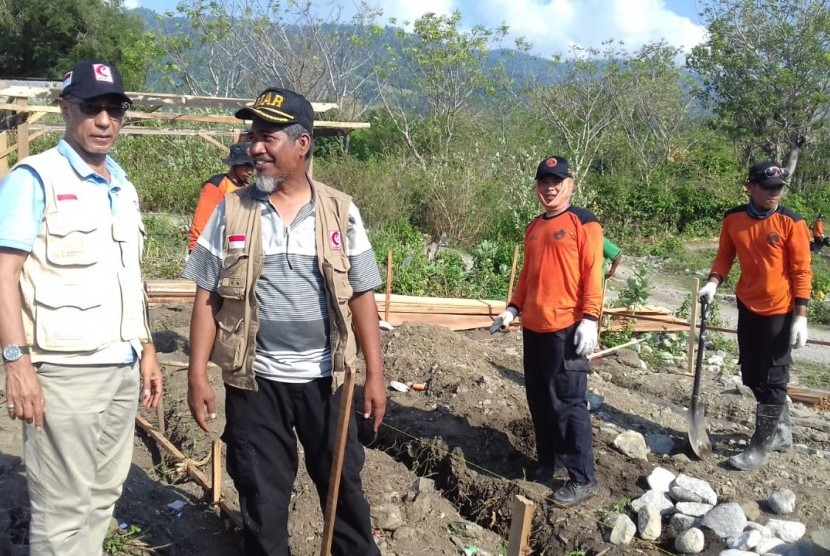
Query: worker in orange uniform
x=819 y=240
x=772 y=244
x=559 y=295
x=241 y=168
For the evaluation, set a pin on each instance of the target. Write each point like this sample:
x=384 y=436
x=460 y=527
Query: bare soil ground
x=470 y=432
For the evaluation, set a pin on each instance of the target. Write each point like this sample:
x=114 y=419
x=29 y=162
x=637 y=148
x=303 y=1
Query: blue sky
x=549 y=25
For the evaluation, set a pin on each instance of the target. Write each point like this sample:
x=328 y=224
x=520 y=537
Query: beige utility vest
x=234 y=348
x=81 y=284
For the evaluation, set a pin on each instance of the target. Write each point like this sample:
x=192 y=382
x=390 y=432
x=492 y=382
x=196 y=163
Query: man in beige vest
x=77 y=350
x=285 y=274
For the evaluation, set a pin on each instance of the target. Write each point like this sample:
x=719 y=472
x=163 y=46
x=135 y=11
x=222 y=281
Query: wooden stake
x=216 y=469
x=520 y=526
x=388 y=285
x=343 y=418
x=601 y=310
x=213 y=141
x=4 y=160
x=22 y=131
x=609 y=351
x=194 y=472
x=512 y=273
x=690 y=342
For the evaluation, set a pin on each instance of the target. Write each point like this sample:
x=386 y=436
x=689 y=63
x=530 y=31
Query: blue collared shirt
x=22 y=197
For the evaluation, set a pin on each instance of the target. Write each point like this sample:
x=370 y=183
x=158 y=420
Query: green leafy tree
x=765 y=73
x=44 y=38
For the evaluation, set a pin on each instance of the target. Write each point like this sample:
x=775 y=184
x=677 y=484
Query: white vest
x=81 y=284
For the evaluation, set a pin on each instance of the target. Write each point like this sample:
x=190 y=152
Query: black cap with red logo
x=93 y=78
x=555 y=166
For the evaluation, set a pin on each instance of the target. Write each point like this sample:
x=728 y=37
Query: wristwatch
x=13 y=352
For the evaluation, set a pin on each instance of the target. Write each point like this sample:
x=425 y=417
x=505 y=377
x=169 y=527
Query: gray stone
x=660 y=500
x=787 y=531
x=680 y=522
x=752 y=526
x=736 y=552
x=422 y=484
x=387 y=516
x=622 y=529
x=660 y=443
x=632 y=444
x=595 y=401
x=421 y=507
x=649 y=523
x=660 y=479
x=822 y=539
x=408 y=536
x=771 y=546
x=690 y=541
x=782 y=501
x=805 y=548
x=725 y=520
x=689 y=489
x=745 y=541
x=752 y=510
x=694 y=509
x=629 y=358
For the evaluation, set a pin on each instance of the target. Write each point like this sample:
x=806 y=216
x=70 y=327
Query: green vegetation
x=124 y=541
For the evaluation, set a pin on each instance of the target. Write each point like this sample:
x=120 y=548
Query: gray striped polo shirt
x=293 y=338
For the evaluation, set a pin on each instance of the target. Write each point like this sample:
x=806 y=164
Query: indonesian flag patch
x=236 y=242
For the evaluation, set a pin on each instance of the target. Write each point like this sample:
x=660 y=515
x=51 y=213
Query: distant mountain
x=518 y=65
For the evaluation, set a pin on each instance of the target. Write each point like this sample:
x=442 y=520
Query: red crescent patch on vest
x=335 y=240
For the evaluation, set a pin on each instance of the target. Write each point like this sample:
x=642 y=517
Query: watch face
x=11 y=353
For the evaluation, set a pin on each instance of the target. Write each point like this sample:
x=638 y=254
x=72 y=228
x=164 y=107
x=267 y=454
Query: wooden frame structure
x=24 y=103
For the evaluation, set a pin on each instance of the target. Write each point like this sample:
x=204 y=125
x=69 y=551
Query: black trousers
x=261 y=433
x=556 y=380
x=764 y=354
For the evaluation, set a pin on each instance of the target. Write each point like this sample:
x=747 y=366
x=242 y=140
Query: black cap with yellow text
x=280 y=106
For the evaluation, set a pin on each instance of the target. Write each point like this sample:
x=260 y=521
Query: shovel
x=698 y=438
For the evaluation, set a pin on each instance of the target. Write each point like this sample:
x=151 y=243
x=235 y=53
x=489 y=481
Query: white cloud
x=408 y=10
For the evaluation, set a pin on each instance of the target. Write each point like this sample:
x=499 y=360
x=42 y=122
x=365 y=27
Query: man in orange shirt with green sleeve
x=772 y=244
x=559 y=295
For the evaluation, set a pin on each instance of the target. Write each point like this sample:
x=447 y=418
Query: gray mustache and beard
x=268 y=184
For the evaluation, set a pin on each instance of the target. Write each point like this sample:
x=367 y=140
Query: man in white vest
x=76 y=343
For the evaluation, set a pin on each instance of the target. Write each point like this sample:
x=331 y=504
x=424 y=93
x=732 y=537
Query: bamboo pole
x=609 y=351
x=388 y=285
x=520 y=526
x=343 y=418
x=213 y=141
x=690 y=343
x=4 y=161
x=512 y=273
x=601 y=310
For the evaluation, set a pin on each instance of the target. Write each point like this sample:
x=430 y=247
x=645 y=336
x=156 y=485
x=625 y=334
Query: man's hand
x=503 y=320
x=24 y=395
x=707 y=292
x=151 y=378
x=798 y=332
x=585 y=338
x=374 y=400
x=201 y=400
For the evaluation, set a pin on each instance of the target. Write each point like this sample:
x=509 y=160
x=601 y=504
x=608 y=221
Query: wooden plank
x=192 y=470
x=213 y=141
x=4 y=161
x=321 y=129
x=342 y=433
x=388 y=295
x=512 y=273
x=20 y=104
x=520 y=526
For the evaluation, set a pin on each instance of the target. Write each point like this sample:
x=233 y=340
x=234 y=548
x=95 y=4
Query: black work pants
x=556 y=380
x=261 y=433
x=764 y=354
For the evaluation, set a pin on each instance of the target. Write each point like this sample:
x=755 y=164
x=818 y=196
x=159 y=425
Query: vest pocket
x=232 y=276
x=68 y=317
x=69 y=240
x=230 y=345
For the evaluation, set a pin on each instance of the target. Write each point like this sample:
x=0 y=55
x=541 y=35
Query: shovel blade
x=698 y=437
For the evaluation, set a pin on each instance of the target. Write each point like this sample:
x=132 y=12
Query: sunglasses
x=92 y=109
x=775 y=171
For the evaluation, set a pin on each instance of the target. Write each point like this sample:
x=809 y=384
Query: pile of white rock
x=688 y=506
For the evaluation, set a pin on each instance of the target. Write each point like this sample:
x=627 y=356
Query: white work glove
x=503 y=320
x=798 y=332
x=707 y=292
x=585 y=338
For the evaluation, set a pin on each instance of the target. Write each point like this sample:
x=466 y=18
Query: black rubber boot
x=782 y=440
x=757 y=454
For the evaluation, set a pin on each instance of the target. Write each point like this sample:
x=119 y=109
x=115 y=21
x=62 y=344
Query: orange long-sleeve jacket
x=213 y=191
x=561 y=278
x=818 y=228
x=774 y=254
